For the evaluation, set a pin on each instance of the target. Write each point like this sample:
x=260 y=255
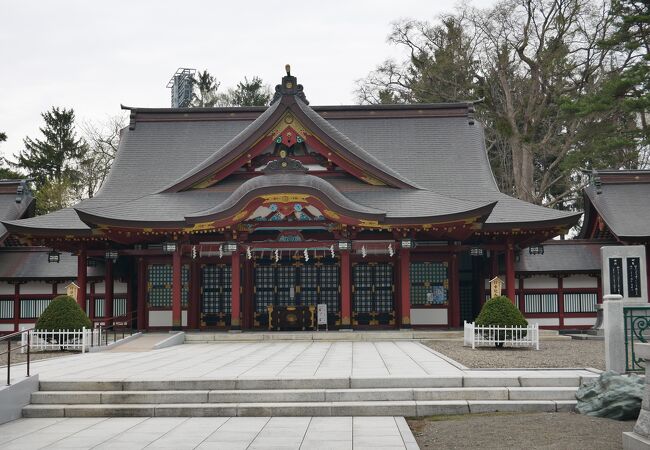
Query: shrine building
x=249 y=217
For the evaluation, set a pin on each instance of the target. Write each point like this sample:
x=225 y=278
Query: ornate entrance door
x=373 y=294
x=288 y=283
x=216 y=296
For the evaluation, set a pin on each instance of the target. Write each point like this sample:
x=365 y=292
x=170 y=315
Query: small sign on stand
x=72 y=290
x=496 y=285
x=321 y=316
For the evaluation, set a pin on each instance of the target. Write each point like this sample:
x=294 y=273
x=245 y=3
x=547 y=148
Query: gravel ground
x=565 y=353
x=517 y=431
x=20 y=357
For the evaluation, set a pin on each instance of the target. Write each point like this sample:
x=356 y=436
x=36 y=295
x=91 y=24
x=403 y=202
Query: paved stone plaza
x=344 y=364
x=209 y=433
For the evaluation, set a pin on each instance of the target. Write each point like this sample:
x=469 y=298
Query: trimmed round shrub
x=501 y=311
x=63 y=313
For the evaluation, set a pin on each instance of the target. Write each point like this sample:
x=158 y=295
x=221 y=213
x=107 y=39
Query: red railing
x=122 y=323
x=8 y=338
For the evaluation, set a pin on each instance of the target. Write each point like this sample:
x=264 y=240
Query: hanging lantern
x=363 y=251
x=332 y=250
x=391 y=252
x=306 y=253
x=249 y=255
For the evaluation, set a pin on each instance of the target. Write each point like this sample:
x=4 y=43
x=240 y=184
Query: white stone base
x=633 y=441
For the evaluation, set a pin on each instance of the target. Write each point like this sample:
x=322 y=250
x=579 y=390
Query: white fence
x=61 y=340
x=478 y=335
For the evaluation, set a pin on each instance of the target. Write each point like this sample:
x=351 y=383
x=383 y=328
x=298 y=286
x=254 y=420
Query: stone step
x=392 y=408
x=385 y=335
x=469 y=379
x=301 y=395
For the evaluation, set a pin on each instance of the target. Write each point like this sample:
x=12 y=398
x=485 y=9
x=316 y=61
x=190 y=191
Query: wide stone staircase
x=305 y=397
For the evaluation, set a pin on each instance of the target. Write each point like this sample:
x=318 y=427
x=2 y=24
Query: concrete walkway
x=283 y=360
x=141 y=344
x=209 y=433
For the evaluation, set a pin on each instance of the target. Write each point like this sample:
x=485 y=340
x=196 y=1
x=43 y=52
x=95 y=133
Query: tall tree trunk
x=523 y=170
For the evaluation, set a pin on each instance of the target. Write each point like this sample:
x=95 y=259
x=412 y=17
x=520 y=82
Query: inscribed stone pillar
x=614 y=333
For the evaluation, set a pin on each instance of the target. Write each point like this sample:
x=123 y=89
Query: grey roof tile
x=624 y=207
x=562 y=256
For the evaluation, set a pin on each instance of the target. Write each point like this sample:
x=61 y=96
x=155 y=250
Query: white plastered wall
x=429 y=316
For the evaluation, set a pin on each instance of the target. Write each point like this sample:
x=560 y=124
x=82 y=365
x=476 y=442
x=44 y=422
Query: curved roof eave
x=280 y=183
x=256 y=130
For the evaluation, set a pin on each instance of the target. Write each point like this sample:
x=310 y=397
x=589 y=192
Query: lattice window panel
x=6 y=309
x=211 y=291
x=580 y=302
x=264 y=287
x=286 y=282
x=329 y=287
x=384 y=288
x=216 y=289
x=362 y=275
x=429 y=283
x=160 y=283
x=33 y=308
x=119 y=306
x=185 y=281
x=540 y=303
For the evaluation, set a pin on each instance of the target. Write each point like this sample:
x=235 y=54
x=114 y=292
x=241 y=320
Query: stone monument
x=623 y=271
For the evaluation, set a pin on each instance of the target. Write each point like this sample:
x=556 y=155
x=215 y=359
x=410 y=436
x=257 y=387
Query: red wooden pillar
x=108 y=288
x=510 y=271
x=17 y=305
x=236 y=292
x=494 y=264
x=346 y=290
x=522 y=295
x=560 y=300
x=177 y=288
x=454 y=282
x=247 y=295
x=599 y=289
x=405 y=287
x=193 y=310
x=82 y=276
x=142 y=295
x=91 y=302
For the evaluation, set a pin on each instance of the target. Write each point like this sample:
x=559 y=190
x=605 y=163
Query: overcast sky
x=94 y=55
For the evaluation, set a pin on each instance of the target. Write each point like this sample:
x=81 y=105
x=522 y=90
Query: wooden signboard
x=496 y=285
x=71 y=290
